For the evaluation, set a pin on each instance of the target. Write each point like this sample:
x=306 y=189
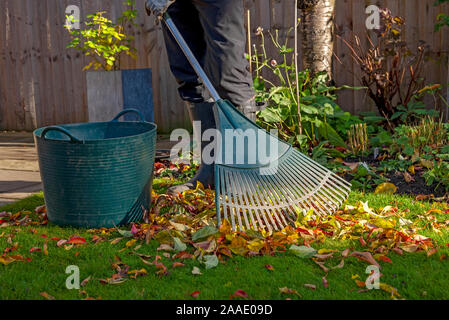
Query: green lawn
x=414 y=275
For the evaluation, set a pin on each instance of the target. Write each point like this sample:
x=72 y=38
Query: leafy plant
x=438 y=174
x=317 y=100
x=102 y=40
x=392 y=73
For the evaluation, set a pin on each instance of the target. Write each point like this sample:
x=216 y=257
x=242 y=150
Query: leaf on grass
x=85 y=281
x=269 y=267
x=387 y=288
x=165 y=247
x=5 y=260
x=195 y=294
x=77 y=240
x=239 y=294
x=46 y=248
x=178 y=265
x=60 y=243
x=382 y=257
x=116 y=241
x=47 y=296
x=345 y=253
x=322 y=266
x=196 y=271
x=365 y=256
x=131 y=243
x=210 y=261
x=303 y=251
x=325 y=283
x=35 y=249
x=310 y=286
x=286 y=290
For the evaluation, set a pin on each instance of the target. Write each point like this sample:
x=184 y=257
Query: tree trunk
x=317 y=24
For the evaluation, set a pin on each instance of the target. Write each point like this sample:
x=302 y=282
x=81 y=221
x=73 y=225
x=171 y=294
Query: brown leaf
x=345 y=253
x=322 y=266
x=310 y=286
x=286 y=290
x=365 y=256
x=47 y=296
x=178 y=265
x=408 y=178
x=325 y=283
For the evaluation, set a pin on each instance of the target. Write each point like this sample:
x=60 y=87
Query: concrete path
x=19 y=168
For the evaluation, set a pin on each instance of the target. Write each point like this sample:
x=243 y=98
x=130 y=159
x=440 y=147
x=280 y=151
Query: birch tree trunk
x=317 y=24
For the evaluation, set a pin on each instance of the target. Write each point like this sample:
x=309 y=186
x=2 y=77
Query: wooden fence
x=42 y=82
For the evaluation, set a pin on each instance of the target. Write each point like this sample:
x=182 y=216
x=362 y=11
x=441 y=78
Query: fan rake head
x=272 y=198
x=267 y=192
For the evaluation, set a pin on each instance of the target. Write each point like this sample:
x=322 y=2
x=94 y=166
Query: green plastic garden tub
x=97 y=174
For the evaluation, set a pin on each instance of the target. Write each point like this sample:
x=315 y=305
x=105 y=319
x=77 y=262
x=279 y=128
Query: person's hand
x=157 y=7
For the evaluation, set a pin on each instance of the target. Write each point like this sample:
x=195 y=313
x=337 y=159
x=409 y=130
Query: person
x=215 y=32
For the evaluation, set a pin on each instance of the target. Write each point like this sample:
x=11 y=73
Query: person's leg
x=225 y=62
x=185 y=16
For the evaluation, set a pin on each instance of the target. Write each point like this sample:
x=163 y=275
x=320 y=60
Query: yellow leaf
x=238 y=246
x=355 y=276
x=386 y=188
x=6 y=260
x=325 y=251
x=256 y=245
x=411 y=169
x=387 y=288
x=130 y=243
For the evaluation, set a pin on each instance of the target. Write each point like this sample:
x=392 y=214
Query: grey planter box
x=110 y=92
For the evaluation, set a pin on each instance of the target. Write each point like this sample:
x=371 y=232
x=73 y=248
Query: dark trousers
x=215 y=32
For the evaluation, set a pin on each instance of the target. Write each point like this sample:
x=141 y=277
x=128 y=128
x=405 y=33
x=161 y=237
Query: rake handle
x=191 y=57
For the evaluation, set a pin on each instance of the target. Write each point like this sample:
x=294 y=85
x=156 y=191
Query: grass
x=414 y=275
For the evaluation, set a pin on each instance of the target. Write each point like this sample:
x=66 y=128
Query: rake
x=261 y=182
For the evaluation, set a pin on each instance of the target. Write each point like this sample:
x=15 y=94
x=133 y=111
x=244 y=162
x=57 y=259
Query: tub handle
x=142 y=118
x=62 y=130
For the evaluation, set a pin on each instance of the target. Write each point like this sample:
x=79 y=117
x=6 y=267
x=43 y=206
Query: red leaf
x=385 y=259
x=134 y=229
x=269 y=267
x=76 y=240
x=55 y=239
x=178 y=264
x=325 y=283
x=239 y=294
x=195 y=294
x=35 y=249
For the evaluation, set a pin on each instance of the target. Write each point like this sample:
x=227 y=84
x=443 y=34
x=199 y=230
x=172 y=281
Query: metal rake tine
x=261 y=204
x=302 y=185
x=246 y=197
x=270 y=210
x=298 y=162
x=230 y=200
x=256 y=201
x=237 y=187
x=338 y=179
